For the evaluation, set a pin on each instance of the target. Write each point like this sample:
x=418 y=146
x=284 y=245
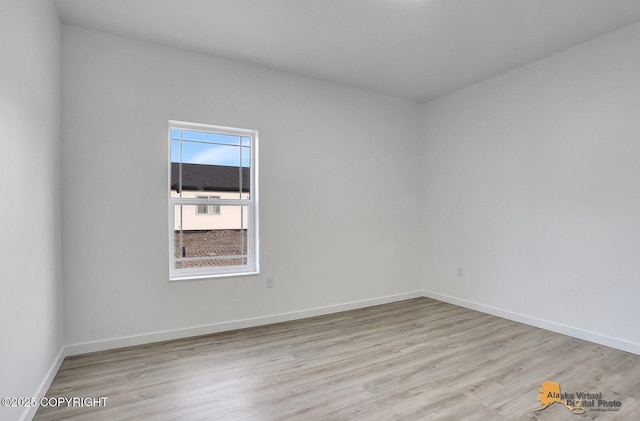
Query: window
x=213 y=201
x=208 y=209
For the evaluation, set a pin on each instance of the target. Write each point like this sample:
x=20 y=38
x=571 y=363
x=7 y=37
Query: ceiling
x=412 y=49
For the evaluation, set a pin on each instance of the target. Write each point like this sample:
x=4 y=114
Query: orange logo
x=550 y=394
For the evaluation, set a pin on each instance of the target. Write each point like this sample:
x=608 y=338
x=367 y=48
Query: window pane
x=175 y=151
x=209 y=178
x=210 y=137
x=210 y=240
x=212 y=154
x=209 y=262
x=246 y=157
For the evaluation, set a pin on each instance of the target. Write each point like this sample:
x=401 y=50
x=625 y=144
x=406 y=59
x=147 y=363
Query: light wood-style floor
x=418 y=359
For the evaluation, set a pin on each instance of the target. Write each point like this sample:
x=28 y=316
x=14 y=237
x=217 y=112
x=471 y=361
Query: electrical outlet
x=269 y=281
x=460 y=271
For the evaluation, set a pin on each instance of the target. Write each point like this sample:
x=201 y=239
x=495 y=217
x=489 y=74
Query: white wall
x=531 y=183
x=337 y=188
x=30 y=288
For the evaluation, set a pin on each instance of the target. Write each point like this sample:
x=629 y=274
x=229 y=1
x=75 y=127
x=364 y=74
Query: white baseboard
x=83 y=348
x=30 y=412
x=575 y=332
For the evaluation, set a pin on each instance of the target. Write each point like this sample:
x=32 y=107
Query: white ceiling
x=413 y=49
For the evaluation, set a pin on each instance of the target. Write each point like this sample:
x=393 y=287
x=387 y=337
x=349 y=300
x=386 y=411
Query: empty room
x=320 y=210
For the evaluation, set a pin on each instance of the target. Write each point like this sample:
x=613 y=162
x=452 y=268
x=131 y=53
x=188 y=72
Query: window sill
x=211 y=276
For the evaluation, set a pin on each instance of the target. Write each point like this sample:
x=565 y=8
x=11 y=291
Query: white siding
x=230 y=217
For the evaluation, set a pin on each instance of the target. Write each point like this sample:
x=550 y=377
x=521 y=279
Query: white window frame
x=252 y=266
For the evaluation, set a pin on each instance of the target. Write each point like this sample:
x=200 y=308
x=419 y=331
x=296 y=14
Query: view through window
x=212 y=200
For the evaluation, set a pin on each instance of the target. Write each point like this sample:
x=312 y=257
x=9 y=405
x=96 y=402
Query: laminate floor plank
x=418 y=359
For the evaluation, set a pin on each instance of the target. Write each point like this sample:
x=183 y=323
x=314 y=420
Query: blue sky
x=210 y=148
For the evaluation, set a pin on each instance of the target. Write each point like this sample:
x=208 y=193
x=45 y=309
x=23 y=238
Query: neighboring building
x=216 y=182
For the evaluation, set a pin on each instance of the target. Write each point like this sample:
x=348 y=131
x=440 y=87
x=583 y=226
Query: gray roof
x=198 y=177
